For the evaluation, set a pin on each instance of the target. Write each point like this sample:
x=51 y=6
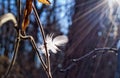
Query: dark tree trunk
x=83 y=37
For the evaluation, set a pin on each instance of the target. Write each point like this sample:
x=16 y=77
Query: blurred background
x=89 y=24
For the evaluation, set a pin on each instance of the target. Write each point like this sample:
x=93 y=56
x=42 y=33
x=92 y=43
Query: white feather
x=53 y=43
x=60 y=40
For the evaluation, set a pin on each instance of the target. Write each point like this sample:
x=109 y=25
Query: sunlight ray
x=85 y=3
x=88 y=12
x=87 y=8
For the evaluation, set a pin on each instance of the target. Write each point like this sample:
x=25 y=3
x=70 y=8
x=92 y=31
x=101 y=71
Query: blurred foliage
x=16 y=71
x=88 y=25
x=55 y=18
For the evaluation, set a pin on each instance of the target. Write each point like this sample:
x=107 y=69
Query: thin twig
x=68 y=68
x=20 y=37
x=35 y=48
x=86 y=55
x=93 y=51
x=43 y=36
x=16 y=43
x=19 y=13
x=14 y=57
x=37 y=52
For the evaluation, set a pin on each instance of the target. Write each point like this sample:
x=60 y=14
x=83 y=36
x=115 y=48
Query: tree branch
x=14 y=57
x=86 y=55
x=43 y=36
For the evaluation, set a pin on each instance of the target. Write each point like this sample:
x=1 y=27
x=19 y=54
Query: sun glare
x=118 y=1
x=115 y=2
x=114 y=5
